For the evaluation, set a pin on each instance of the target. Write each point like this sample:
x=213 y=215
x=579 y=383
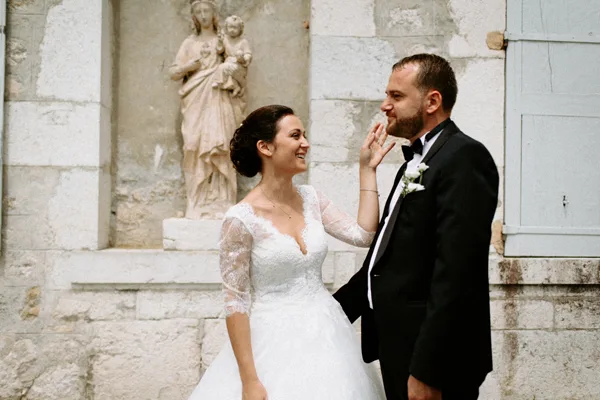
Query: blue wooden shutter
x=552 y=192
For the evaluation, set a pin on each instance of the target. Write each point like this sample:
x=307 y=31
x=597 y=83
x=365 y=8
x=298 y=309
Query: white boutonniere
x=410 y=177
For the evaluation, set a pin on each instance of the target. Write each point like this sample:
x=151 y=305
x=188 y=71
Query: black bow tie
x=417 y=146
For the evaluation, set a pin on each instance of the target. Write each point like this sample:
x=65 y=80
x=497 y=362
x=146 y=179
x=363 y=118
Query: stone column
x=58 y=128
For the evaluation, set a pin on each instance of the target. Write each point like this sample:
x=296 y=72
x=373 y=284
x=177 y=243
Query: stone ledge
x=544 y=271
x=132 y=269
x=165 y=270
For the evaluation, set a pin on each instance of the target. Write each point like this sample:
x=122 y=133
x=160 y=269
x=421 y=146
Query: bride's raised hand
x=373 y=151
x=254 y=391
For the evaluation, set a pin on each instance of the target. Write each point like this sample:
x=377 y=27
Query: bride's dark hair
x=261 y=124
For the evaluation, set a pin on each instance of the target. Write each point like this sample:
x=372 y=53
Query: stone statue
x=231 y=75
x=211 y=112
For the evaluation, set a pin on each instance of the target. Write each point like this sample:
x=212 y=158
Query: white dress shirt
x=412 y=166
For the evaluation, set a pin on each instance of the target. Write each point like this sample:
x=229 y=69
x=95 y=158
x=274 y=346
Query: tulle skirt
x=303 y=349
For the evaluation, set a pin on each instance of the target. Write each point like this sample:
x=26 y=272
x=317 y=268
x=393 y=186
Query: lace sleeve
x=341 y=225
x=235 y=247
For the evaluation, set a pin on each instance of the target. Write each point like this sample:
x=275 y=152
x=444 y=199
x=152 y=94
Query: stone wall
x=352 y=52
x=79 y=320
x=148 y=183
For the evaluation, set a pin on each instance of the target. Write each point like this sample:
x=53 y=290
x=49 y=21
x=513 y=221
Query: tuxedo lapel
x=386 y=209
x=448 y=131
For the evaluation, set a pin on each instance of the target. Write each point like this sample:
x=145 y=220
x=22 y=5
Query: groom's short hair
x=434 y=73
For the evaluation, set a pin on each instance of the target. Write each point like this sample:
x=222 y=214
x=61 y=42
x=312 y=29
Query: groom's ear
x=264 y=148
x=433 y=102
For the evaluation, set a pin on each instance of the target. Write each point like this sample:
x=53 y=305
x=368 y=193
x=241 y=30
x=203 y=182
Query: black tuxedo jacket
x=429 y=282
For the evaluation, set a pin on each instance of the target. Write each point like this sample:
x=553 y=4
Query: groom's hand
x=418 y=390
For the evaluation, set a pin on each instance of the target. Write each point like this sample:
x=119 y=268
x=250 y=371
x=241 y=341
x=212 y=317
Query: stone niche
x=147 y=179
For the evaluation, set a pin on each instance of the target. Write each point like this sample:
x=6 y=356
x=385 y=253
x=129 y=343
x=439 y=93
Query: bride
x=288 y=338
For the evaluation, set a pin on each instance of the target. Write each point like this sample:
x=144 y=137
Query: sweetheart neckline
x=270 y=223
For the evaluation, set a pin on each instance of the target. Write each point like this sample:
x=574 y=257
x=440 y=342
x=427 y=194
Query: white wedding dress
x=304 y=347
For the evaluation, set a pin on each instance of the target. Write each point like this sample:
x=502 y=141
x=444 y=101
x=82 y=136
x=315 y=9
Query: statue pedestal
x=191 y=234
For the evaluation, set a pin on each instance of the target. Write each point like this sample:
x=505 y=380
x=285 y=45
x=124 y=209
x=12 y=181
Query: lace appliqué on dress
x=235 y=248
x=342 y=226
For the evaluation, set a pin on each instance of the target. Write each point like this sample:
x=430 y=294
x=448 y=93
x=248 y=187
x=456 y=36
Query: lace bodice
x=260 y=265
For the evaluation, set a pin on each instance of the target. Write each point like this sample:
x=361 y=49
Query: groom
x=422 y=292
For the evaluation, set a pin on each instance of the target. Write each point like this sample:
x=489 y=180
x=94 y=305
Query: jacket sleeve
x=467 y=197
x=353 y=295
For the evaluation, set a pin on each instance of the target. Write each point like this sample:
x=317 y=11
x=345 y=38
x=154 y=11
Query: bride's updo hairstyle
x=261 y=124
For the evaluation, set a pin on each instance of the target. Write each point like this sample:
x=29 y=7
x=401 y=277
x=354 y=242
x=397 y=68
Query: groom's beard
x=407 y=128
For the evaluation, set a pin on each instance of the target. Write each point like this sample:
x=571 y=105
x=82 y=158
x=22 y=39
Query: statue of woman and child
x=212 y=65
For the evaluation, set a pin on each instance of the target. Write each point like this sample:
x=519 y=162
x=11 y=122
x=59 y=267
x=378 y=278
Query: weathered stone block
x=473 y=20
x=17 y=234
x=20 y=309
x=25 y=204
x=409 y=45
x=27 y=191
x=26 y=7
x=190 y=234
x=547 y=365
x=481 y=83
x=54 y=134
x=13 y=355
x=328 y=154
x=61 y=382
x=71 y=52
x=179 y=304
x=342 y=18
x=544 y=271
x=21 y=54
x=23 y=268
x=331 y=78
x=159 y=355
x=78 y=227
x=43 y=367
x=107 y=40
x=132 y=269
x=522 y=314
x=332 y=127
x=45 y=209
x=577 y=314
x=404 y=18
x=215 y=336
x=95 y=306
